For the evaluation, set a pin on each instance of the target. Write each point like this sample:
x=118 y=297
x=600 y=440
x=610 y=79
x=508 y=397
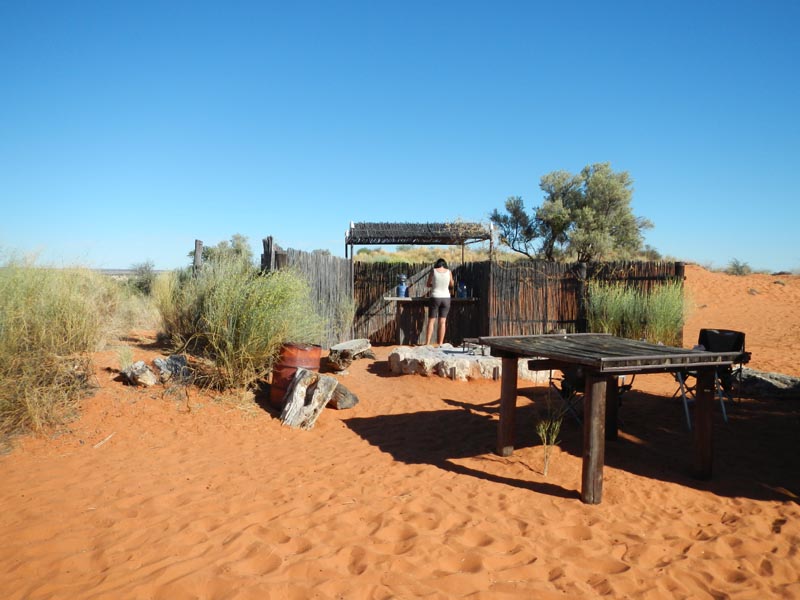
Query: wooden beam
x=594 y=443
x=508 y=406
x=703 y=423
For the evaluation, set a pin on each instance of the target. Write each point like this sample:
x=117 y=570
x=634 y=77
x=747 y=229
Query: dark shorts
x=439 y=307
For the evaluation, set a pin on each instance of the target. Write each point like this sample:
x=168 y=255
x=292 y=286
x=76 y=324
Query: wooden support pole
x=594 y=443
x=508 y=407
x=703 y=423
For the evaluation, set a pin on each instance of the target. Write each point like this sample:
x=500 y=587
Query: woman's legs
x=429 y=333
x=440 y=336
x=439 y=308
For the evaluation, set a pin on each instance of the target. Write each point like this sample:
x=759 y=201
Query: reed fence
x=513 y=298
x=331 y=285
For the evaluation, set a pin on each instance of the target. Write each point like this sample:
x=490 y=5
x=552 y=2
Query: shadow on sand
x=755 y=453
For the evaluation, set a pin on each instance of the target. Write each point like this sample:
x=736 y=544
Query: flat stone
x=456 y=363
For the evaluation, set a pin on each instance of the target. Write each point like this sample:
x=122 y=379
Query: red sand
x=402 y=497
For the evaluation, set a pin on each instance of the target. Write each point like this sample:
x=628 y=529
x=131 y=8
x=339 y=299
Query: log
x=342 y=355
x=342 y=398
x=307 y=395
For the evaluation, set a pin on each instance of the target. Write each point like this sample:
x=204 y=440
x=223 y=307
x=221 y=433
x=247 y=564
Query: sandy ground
x=153 y=495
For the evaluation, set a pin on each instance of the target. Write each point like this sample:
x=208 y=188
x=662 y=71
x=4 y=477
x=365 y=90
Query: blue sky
x=130 y=129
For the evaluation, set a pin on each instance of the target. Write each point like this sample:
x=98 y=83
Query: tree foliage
x=237 y=248
x=585 y=217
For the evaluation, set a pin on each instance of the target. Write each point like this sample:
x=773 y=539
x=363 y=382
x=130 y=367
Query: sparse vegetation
x=625 y=311
x=548 y=429
x=738 y=267
x=429 y=254
x=50 y=319
x=143 y=277
x=230 y=313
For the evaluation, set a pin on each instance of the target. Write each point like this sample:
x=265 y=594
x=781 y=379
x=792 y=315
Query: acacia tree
x=585 y=216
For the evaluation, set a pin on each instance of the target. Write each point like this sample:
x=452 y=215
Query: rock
x=342 y=398
x=772 y=385
x=140 y=374
x=173 y=367
x=342 y=355
x=455 y=363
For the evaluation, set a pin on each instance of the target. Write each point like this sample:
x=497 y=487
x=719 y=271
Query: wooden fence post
x=198 y=255
x=680 y=276
x=582 y=326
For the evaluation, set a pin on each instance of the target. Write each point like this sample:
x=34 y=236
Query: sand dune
x=402 y=496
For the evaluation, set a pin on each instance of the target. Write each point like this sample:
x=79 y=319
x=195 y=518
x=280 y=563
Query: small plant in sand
x=125 y=357
x=548 y=428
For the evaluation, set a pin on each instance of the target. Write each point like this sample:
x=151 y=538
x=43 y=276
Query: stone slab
x=457 y=363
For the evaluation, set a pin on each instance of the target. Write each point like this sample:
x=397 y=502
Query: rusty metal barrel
x=290 y=358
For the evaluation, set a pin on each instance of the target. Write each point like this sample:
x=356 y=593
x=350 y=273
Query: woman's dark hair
x=440 y=263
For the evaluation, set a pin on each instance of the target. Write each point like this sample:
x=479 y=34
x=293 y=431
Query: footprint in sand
x=469 y=563
x=357 y=563
x=765 y=568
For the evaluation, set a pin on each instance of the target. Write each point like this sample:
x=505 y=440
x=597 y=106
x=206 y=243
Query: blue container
x=402 y=288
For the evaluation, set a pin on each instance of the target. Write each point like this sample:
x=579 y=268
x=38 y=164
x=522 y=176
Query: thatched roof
x=443 y=234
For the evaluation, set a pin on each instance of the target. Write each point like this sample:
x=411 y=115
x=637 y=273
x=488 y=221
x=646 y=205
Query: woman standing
x=441 y=283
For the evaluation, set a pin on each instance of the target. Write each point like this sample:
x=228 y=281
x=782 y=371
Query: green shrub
x=50 y=319
x=737 y=267
x=143 y=277
x=625 y=311
x=232 y=314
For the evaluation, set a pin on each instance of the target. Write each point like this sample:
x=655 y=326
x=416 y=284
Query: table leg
x=508 y=407
x=703 y=422
x=594 y=443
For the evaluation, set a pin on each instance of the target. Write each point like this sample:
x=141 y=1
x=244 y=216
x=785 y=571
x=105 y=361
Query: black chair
x=571 y=388
x=715 y=340
x=570 y=392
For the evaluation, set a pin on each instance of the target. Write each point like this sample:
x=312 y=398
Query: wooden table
x=603 y=358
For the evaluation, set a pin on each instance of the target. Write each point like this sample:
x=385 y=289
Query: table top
x=605 y=353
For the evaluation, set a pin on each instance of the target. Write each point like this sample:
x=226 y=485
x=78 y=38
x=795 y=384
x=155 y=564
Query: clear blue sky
x=130 y=129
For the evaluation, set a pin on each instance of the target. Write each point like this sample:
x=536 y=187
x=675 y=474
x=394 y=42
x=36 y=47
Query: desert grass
x=238 y=318
x=50 y=320
x=657 y=316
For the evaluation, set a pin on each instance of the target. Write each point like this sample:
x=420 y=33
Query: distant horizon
x=256 y=262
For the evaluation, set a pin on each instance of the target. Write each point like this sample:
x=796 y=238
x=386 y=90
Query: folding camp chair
x=571 y=391
x=715 y=340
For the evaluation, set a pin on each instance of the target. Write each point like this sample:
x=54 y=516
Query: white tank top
x=441 y=284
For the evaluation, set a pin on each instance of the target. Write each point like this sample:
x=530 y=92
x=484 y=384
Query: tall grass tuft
x=50 y=319
x=232 y=314
x=621 y=310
